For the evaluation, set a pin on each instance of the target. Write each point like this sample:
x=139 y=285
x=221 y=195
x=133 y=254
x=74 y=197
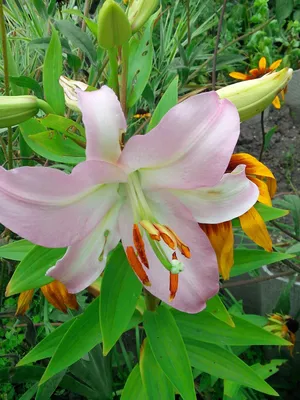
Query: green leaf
x=266 y=212
x=54 y=93
x=78 y=38
x=120 y=291
x=140 y=63
x=283 y=305
x=264 y=371
x=90 y=24
x=43 y=44
x=294 y=249
x=204 y=327
x=30 y=273
x=50 y=145
x=29 y=83
x=246 y=260
x=46 y=390
x=63 y=125
x=134 y=389
x=283 y=9
x=16 y=250
x=155 y=382
x=216 y=308
x=48 y=345
x=41 y=8
x=169 y=350
x=79 y=339
x=219 y=362
x=168 y=100
x=28 y=395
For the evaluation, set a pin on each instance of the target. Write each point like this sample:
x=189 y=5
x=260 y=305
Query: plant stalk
x=150 y=300
x=123 y=83
x=213 y=75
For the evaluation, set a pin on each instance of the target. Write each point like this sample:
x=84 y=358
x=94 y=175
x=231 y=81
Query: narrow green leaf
x=155 y=382
x=246 y=260
x=41 y=8
x=28 y=395
x=216 y=308
x=206 y=328
x=46 y=390
x=140 y=63
x=29 y=83
x=54 y=93
x=43 y=44
x=16 y=250
x=80 y=338
x=78 y=38
x=168 y=101
x=30 y=273
x=134 y=389
x=48 y=345
x=283 y=9
x=120 y=291
x=63 y=125
x=169 y=350
x=90 y=24
x=219 y=362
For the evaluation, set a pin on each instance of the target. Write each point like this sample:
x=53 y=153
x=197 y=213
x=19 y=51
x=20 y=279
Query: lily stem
x=214 y=67
x=113 y=79
x=123 y=83
x=6 y=81
x=150 y=300
x=44 y=106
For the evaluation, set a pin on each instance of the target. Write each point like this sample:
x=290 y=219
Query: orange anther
x=173 y=285
x=136 y=265
x=167 y=236
x=150 y=228
x=139 y=245
x=184 y=249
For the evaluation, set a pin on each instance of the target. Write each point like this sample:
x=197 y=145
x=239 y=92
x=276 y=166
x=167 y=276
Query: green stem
x=44 y=106
x=113 y=79
x=6 y=80
x=123 y=91
x=150 y=300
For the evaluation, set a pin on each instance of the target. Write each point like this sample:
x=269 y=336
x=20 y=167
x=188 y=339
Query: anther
x=174 y=278
x=184 y=249
x=167 y=236
x=136 y=265
x=150 y=228
x=139 y=245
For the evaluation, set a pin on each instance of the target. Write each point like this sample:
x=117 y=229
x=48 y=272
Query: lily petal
x=275 y=65
x=54 y=209
x=180 y=151
x=231 y=197
x=84 y=261
x=199 y=280
x=238 y=75
x=104 y=122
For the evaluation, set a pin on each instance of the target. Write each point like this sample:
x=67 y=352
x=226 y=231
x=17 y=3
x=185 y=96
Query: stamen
x=150 y=228
x=136 y=265
x=174 y=278
x=184 y=249
x=139 y=245
x=167 y=236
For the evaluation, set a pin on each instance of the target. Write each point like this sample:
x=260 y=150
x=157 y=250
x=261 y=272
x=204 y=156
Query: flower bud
x=253 y=96
x=70 y=90
x=139 y=12
x=17 y=109
x=113 y=26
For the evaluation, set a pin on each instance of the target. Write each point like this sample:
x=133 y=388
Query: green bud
x=113 y=26
x=17 y=109
x=253 y=96
x=139 y=12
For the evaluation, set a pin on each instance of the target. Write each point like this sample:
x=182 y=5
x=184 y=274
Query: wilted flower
x=283 y=326
x=70 y=91
x=152 y=195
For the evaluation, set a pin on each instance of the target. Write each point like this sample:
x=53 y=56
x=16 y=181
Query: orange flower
x=283 y=326
x=258 y=73
x=221 y=235
x=55 y=292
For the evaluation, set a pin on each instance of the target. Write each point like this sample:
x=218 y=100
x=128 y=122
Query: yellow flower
x=55 y=292
x=258 y=73
x=283 y=326
x=221 y=235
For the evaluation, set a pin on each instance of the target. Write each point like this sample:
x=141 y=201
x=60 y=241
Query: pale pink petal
x=231 y=197
x=191 y=146
x=104 y=121
x=199 y=280
x=84 y=261
x=54 y=209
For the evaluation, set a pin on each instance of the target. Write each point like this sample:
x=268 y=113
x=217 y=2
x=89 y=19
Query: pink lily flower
x=151 y=195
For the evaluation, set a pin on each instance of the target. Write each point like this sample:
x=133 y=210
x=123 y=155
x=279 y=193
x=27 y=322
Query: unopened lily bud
x=139 y=12
x=251 y=97
x=70 y=90
x=113 y=26
x=17 y=109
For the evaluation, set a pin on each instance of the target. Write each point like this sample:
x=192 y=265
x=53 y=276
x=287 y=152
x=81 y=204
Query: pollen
x=136 y=265
x=139 y=245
